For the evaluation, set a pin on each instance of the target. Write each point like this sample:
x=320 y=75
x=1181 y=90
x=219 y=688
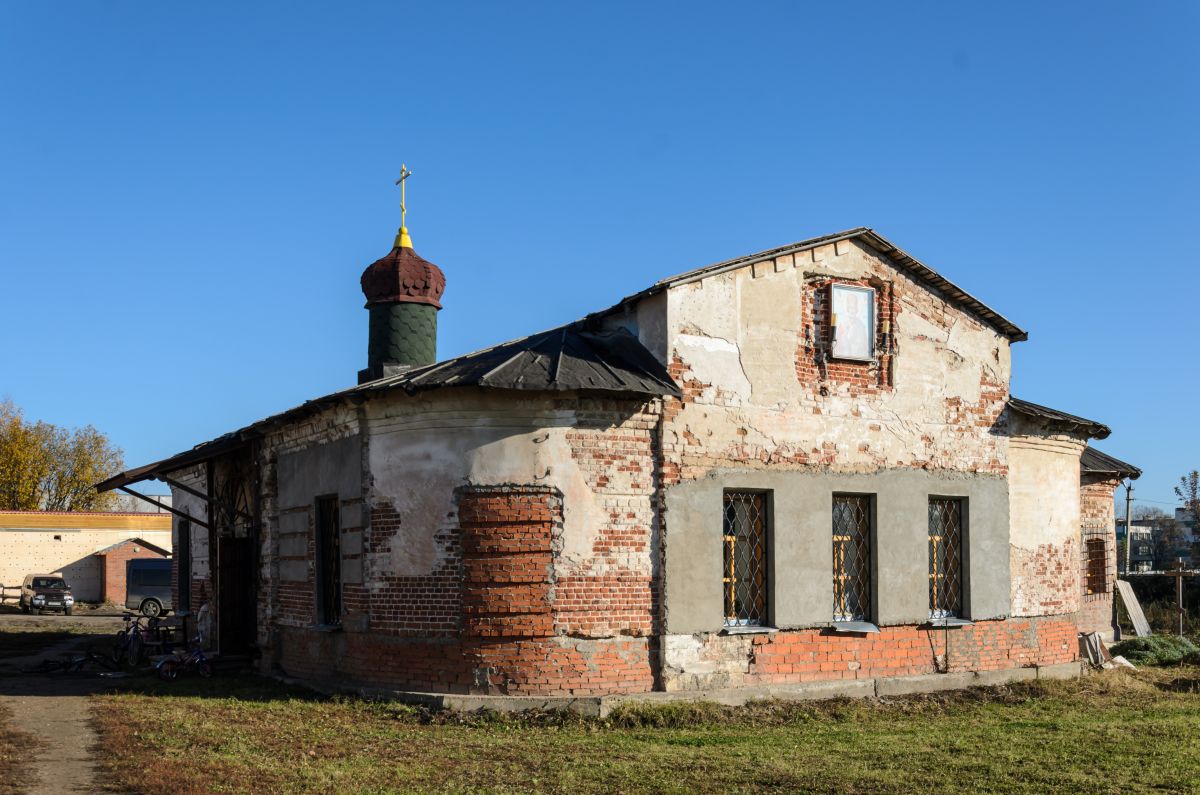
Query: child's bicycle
x=181 y=661
x=129 y=642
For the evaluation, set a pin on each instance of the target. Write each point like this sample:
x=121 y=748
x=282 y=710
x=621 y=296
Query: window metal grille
x=945 y=557
x=745 y=571
x=1097 y=566
x=329 y=562
x=851 y=558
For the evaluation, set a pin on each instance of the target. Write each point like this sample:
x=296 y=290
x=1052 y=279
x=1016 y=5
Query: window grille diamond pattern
x=945 y=558
x=851 y=558
x=1097 y=566
x=745 y=571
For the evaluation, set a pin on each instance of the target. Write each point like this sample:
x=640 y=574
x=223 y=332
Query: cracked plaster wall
x=1045 y=525
x=595 y=453
x=738 y=336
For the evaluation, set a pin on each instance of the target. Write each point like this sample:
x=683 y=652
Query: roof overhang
x=1094 y=462
x=1068 y=422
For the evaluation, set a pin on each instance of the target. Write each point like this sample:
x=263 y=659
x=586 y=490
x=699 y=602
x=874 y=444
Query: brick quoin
x=510 y=598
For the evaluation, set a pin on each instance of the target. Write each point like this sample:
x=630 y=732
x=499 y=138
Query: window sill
x=324 y=627
x=748 y=630
x=947 y=623
x=854 y=627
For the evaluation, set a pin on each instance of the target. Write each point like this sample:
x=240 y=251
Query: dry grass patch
x=237 y=735
x=16 y=749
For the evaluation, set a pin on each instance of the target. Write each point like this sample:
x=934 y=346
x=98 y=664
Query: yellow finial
x=402 y=238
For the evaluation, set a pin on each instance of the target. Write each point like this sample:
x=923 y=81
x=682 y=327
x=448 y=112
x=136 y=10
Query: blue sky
x=190 y=192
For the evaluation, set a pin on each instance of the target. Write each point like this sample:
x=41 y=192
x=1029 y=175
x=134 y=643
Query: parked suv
x=148 y=586
x=42 y=592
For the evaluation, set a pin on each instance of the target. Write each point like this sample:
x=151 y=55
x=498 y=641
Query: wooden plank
x=1140 y=625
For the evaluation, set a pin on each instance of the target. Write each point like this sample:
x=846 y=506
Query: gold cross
x=404 y=175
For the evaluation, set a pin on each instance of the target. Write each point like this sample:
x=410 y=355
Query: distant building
x=1141 y=551
x=78 y=546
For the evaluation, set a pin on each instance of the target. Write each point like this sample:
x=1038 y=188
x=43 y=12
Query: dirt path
x=61 y=718
x=55 y=708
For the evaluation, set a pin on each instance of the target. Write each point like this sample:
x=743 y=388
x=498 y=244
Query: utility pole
x=1179 y=573
x=1128 y=522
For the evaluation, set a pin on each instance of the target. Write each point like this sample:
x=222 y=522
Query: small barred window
x=1097 y=566
x=851 y=557
x=945 y=557
x=745 y=570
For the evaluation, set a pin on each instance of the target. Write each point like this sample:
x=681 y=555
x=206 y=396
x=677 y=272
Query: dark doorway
x=329 y=562
x=237 y=606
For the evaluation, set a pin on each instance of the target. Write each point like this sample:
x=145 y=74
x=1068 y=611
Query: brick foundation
x=698 y=662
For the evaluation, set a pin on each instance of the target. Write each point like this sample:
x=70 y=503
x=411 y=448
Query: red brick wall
x=909 y=650
x=513 y=620
x=112 y=573
x=820 y=655
x=485 y=622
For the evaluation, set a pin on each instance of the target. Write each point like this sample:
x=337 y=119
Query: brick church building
x=802 y=465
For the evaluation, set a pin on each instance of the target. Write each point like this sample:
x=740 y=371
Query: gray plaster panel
x=293 y=546
x=351 y=516
x=801 y=582
x=352 y=542
x=986 y=560
x=352 y=571
x=330 y=468
x=293 y=523
x=293 y=570
x=693 y=549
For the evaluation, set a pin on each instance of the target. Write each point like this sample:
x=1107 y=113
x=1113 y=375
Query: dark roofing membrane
x=1097 y=463
x=571 y=358
x=1096 y=430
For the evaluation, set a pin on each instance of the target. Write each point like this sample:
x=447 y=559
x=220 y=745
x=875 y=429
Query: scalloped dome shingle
x=405 y=276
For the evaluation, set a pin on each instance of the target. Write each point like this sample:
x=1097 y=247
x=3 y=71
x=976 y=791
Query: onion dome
x=403 y=276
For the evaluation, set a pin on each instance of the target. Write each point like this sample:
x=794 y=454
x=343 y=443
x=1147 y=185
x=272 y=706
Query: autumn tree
x=45 y=467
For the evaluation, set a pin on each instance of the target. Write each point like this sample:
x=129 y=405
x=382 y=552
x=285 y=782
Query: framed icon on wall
x=853 y=321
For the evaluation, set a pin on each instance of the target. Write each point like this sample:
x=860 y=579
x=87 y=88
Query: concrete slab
x=603 y=706
x=1072 y=670
x=925 y=683
x=1004 y=677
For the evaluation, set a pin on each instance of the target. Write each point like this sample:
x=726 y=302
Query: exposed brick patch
x=429 y=605
x=1046 y=580
x=814 y=368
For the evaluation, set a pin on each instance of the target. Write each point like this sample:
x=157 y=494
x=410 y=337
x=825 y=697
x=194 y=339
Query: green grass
x=1107 y=733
